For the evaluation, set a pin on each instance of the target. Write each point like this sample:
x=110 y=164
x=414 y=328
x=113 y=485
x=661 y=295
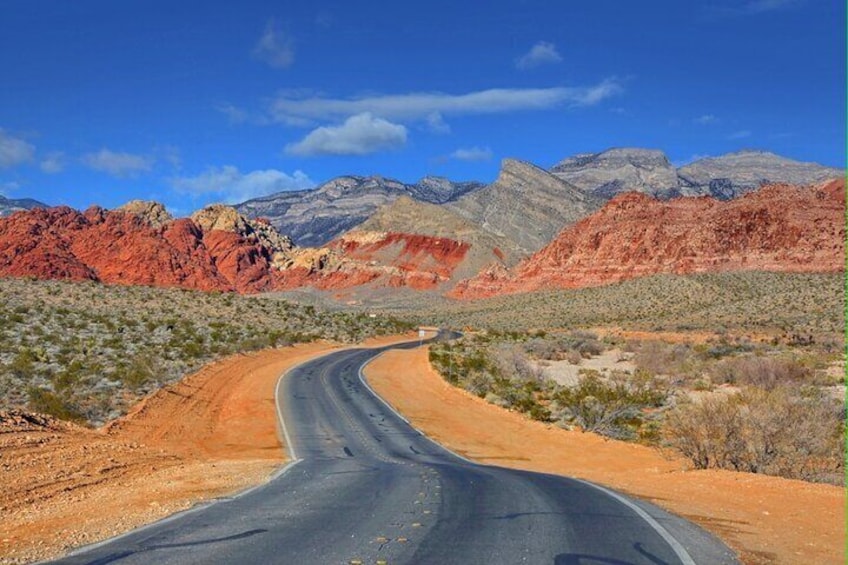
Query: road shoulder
x=765 y=519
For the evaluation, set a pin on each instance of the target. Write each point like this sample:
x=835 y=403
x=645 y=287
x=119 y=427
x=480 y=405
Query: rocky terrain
x=315 y=217
x=734 y=174
x=217 y=249
x=10 y=205
x=618 y=170
x=525 y=204
x=777 y=228
x=406 y=215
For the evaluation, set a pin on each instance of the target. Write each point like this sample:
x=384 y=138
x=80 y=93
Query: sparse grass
x=86 y=351
x=793 y=307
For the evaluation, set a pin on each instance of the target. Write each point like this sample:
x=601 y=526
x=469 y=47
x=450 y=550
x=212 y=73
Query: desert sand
x=212 y=434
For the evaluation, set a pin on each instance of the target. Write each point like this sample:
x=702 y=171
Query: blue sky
x=193 y=102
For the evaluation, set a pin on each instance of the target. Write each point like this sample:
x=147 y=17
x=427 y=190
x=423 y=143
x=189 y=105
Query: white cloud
x=232 y=186
x=540 y=54
x=117 y=164
x=358 y=135
x=234 y=114
x=436 y=123
x=274 y=47
x=472 y=154
x=741 y=134
x=705 y=119
x=14 y=151
x=53 y=163
x=296 y=111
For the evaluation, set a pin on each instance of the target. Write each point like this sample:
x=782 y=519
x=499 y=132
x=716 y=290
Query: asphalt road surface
x=365 y=487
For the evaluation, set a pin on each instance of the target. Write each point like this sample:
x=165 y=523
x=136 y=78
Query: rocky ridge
x=526 y=204
x=314 y=217
x=614 y=171
x=777 y=228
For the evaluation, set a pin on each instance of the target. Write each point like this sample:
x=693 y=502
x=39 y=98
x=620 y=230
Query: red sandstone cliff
x=777 y=228
x=215 y=249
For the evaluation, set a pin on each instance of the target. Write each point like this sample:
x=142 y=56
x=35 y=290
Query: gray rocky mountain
x=734 y=174
x=314 y=217
x=415 y=217
x=526 y=204
x=9 y=205
x=617 y=170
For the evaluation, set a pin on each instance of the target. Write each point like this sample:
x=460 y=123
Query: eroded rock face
x=777 y=228
x=315 y=217
x=611 y=172
x=152 y=213
x=628 y=169
x=216 y=249
x=526 y=204
x=126 y=247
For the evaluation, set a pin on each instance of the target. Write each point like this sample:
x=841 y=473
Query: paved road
x=368 y=488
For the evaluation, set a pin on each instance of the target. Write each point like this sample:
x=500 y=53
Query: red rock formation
x=777 y=228
x=120 y=247
x=422 y=261
x=216 y=249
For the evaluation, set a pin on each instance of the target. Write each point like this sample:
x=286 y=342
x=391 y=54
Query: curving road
x=365 y=487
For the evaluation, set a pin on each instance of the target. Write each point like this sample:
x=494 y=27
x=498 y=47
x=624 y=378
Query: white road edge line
x=675 y=545
x=681 y=552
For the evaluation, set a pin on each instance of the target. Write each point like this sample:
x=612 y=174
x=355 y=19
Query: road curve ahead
x=365 y=487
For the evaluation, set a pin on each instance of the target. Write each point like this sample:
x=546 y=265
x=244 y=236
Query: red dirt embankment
x=765 y=519
x=211 y=434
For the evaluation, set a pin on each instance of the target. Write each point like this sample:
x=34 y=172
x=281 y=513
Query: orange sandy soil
x=212 y=434
x=764 y=519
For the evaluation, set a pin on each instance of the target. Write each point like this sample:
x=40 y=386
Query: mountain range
x=528 y=230
x=314 y=217
x=528 y=204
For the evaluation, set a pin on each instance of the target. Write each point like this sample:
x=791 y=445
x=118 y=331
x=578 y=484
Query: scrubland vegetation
x=797 y=307
x=731 y=403
x=86 y=352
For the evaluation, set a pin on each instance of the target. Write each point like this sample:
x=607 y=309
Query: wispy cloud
x=234 y=114
x=275 y=47
x=232 y=186
x=298 y=111
x=358 y=135
x=14 y=150
x=436 y=123
x=543 y=53
x=472 y=154
x=741 y=134
x=752 y=8
x=705 y=120
x=53 y=163
x=120 y=165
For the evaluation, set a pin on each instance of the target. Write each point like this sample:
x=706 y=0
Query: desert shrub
x=47 y=402
x=775 y=432
x=765 y=373
x=614 y=408
x=658 y=358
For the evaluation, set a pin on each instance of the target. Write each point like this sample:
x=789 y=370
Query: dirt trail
x=765 y=519
x=212 y=434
